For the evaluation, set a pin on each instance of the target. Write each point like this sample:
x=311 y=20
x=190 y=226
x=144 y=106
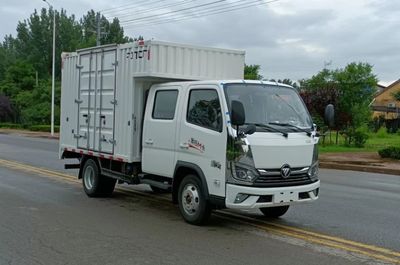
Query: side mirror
x=329 y=115
x=237 y=113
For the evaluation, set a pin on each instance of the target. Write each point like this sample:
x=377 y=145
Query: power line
x=202 y=13
x=115 y=9
x=221 y=6
x=154 y=9
x=194 y=17
x=174 y=11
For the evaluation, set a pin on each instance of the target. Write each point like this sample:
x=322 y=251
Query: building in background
x=386 y=105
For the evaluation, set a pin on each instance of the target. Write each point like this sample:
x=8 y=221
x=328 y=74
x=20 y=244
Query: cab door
x=202 y=135
x=159 y=131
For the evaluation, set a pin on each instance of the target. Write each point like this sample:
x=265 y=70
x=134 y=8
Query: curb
x=362 y=168
x=30 y=134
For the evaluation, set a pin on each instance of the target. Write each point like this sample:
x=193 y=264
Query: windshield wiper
x=265 y=126
x=289 y=105
x=291 y=125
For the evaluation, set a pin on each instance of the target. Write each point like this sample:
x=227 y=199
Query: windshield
x=269 y=104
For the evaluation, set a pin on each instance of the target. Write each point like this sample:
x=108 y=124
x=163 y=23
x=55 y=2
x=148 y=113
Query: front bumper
x=270 y=197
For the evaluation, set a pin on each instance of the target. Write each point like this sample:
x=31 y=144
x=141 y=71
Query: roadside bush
x=360 y=138
x=11 y=126
x=35 y=128
x=355 y=137
x=390 y=152
x=43 y=128
x=382 y=133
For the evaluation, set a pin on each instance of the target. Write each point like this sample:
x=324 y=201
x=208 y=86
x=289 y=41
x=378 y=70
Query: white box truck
x=182 y=119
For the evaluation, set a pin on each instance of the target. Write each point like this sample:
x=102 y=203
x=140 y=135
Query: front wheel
x=194 y=208
x=274 y=212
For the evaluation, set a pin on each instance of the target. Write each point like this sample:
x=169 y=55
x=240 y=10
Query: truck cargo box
x=103 y=91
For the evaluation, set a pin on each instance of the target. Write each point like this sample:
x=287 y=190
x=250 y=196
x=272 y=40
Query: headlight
x=244 y=174
x=313 y=171
x=315 y=154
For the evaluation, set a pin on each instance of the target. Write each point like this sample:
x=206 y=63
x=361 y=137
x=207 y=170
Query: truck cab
x=266 y=160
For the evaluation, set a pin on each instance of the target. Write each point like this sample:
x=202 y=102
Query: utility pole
x=98 y=29
x=53 y=66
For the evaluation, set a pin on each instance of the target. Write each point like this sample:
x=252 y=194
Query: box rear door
x=106 y=101
x=96 y=102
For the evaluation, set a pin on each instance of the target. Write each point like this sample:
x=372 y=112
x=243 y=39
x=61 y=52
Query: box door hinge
x=78 y=136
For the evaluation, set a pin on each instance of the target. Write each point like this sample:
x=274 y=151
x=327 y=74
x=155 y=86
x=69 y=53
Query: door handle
x=184 y=145
x=149 y=141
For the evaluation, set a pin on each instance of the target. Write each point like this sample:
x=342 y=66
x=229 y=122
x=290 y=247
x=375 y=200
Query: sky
x=288 y=38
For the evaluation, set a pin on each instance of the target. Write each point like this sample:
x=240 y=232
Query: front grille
x=273 y=178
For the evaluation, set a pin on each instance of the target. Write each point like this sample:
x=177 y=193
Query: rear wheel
x=194 y=208
x=94 y=184
x=274 y=212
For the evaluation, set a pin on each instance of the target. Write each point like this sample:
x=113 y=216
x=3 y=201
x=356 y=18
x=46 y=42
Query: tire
x=107 y=186
x=194 y=207
x=274 y=212
x=158 y=190
x=94 y=184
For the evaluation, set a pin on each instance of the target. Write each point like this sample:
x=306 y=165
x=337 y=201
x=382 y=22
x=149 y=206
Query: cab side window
x=165 y=104
x=204 y=109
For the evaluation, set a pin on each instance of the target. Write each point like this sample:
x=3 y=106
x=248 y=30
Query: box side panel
x=130 y=95
x=195 y=63
x=142 y=86
x=69 y=110
x=138 y=57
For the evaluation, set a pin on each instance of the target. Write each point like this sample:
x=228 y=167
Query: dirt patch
x=360 y=161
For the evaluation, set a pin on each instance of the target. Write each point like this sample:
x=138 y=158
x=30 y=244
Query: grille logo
x=285 y=171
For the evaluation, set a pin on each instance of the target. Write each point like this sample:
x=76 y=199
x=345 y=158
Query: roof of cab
x=223 y=82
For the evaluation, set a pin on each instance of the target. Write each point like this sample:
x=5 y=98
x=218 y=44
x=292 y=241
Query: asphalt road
x=50 y=221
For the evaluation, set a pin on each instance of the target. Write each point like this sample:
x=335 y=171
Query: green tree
x=115 y=33
x=323 y=78
x=351 y=89
x=19 y=79
x=6 y=109
x=357 y=86
x=30 y=52
x=110 y=32
x=251 y=72
x=35 y=106
x=7 y=55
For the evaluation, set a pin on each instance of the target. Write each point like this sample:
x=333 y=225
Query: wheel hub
x=190 y=199
x=88 y=177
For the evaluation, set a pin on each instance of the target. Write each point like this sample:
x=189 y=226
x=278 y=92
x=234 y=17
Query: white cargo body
x=104 y=89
